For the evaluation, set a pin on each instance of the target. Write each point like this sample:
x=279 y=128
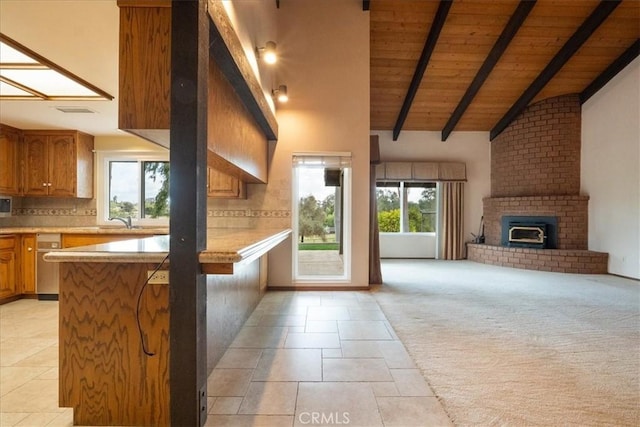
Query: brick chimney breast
x=535 y=172
x=538 y=154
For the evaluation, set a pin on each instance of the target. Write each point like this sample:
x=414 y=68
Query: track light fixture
x=267 y=53
x=280 y=94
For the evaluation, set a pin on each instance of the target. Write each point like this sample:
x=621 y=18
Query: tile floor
x=319 y=358
x=302 y=358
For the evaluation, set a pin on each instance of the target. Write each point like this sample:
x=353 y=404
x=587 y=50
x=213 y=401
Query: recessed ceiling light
x=25 y=74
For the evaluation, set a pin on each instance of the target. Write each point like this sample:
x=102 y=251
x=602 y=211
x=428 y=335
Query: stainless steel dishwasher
x=47 y=273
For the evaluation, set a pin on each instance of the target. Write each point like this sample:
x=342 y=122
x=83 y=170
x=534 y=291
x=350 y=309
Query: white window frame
x=404 y=209
x=347 y=230
x=102 y=188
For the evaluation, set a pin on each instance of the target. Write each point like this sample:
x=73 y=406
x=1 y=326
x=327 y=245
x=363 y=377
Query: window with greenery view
x=139 y=189
x=407 y=207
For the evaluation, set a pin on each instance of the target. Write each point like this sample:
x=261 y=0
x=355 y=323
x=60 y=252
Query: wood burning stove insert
x=529 y=231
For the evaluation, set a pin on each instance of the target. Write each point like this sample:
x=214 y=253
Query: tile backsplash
x=51 y=212
x=264 y=207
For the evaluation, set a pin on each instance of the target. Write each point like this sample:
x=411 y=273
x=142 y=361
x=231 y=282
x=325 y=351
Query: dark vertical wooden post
x=187 y=303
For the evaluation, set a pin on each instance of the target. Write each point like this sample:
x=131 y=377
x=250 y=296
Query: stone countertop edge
x=233 y=246
x=248 y=247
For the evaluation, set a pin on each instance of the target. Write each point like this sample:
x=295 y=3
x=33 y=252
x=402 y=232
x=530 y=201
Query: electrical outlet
x=160 y=277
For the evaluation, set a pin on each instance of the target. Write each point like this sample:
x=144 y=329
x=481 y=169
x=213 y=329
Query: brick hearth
x=556 y=260
x=535 y=171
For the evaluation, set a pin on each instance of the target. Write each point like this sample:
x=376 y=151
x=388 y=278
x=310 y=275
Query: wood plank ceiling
x=533 y=60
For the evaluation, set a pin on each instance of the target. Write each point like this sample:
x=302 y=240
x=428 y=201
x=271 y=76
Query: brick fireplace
x=535 y=172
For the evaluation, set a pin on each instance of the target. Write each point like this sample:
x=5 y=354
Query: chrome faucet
x=126 y=222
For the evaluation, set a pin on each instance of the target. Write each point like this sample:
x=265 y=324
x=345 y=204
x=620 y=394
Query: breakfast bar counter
x=114 y=322
x=225 y=247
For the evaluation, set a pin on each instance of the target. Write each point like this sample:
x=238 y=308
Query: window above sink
x=135 y=185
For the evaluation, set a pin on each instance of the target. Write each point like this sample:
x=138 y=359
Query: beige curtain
x=375 y=272
x=452 y=220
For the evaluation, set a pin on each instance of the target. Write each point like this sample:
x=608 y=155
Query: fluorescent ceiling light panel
x=9 y=55
x=25 y=74
x=14 y=92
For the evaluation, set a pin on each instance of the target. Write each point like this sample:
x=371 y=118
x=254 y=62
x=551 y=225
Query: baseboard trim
x=318 y=288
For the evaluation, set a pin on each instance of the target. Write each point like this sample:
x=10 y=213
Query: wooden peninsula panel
x=104 y=373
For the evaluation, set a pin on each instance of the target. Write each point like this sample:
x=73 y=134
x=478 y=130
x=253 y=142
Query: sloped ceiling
x=544 y=37
x=78 y=35
x=82 y=37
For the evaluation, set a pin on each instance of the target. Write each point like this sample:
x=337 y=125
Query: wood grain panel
x=233 y=135
x=398 y=30
x=10 y=168
x=230 y=301
x=62 y=165
x=36 y=167
x=57 y=163
x=608 y=42
x=225 y=47
x=7 y=266
x=84 y=165
x=104 y=374
x=27 y=263
x=145 y=67
x=223 y=186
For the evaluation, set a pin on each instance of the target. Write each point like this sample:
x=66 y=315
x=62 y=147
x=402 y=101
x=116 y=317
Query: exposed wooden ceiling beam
x=429 y=46
x=366 y=4
x=610 y=72
x=510 y=30
x=597 y=17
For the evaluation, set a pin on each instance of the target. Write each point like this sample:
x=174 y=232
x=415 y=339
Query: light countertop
x=225 y=247
x=85 y=230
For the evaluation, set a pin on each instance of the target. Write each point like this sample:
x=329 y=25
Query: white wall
x=472 y=148
x=408 y=245
x=324 y=61
x=610 y=170
x=125 y=143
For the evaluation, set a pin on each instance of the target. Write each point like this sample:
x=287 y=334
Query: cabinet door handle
x=29 y=249
x=48 y=184
x=44 y=184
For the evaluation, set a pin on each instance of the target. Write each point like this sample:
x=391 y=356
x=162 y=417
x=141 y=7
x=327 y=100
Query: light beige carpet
x=502 y=346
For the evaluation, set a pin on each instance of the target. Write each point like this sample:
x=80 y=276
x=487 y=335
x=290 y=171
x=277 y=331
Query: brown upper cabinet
x=57 y=163
x=237 y=144
x=145 y=69
x=9 y=161
x=223 y=186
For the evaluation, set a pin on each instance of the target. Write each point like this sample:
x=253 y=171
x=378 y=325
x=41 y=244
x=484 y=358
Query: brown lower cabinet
x=28 y=264
x=17 y=266
x=18 y=259
x=7 y=266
